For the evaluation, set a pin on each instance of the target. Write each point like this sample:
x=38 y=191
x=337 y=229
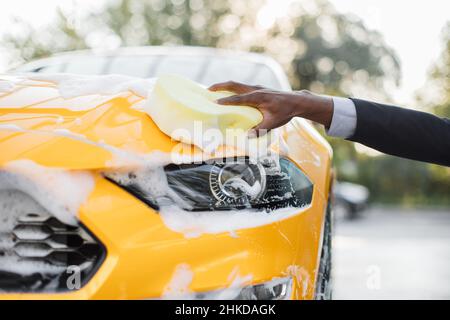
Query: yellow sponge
x=185 y=110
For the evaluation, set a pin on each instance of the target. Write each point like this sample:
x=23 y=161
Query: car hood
x=79 y=132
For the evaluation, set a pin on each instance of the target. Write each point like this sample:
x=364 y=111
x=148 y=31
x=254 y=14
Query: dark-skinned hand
x=278 y=107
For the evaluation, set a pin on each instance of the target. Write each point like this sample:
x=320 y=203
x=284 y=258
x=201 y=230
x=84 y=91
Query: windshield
x=201 y=68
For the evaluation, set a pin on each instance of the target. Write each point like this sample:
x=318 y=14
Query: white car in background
x=203 y=65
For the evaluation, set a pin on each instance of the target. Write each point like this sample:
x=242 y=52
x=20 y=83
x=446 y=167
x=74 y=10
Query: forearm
x=337 y=115
x=314 y=107
x=402 y=132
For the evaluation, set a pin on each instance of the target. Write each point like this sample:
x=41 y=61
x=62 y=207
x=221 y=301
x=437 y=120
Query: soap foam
x=6 y=86
x=239 y=183
x=178 y=287
x=192 y=132
x=73 y=85
x=149 y=174
x=176 y=215
x=14 y=204
x=176 y=212
x=194 y=224
x=302 y=279
x=59 y=191
x=121 y=158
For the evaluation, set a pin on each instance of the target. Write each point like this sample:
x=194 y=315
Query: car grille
x=38 y=252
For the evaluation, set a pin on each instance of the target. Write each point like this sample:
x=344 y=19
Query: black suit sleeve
x=402 y=132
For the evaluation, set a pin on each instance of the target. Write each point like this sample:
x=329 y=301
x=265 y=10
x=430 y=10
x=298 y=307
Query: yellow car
x=79 y=221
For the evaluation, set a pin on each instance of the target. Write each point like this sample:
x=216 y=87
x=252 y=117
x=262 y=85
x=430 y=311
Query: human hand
x=278 y=107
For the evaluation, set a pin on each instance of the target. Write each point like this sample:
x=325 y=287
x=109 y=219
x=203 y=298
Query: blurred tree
x=121 y=23
x=435 y=97
x=436 y=94
x=394 y=180
x=320 y=49
x=337 y=52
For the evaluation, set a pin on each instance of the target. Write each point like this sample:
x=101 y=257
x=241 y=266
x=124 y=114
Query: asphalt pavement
x=392 y=254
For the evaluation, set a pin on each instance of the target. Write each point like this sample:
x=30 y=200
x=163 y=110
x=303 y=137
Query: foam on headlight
x=223 y=184
x=223 y=195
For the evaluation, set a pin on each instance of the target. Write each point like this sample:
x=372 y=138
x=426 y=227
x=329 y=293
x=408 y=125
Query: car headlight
x=38 y=252
x=277 y=289
x=223 y=184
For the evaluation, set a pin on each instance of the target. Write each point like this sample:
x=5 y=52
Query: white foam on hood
x=193 y=224
x=59 y=191
x=121 y=159
x=73 y=85
x=6 y=86
x=11 y=127
x=9 y=83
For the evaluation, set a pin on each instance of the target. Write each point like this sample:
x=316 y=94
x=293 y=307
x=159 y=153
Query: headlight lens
x=225 y=184
x=237 y=182
x=277 y=289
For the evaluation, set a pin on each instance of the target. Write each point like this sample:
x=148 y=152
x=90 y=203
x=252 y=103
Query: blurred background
x=394 y=241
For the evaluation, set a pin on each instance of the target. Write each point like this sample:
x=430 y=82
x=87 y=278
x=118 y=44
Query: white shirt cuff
x=343 y=124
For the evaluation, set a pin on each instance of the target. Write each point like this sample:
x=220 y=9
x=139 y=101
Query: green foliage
x=353 y=51
x=420 y=182
x=440 y=77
